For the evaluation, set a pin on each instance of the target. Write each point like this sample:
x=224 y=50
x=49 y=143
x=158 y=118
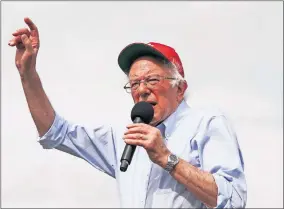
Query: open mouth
x=153 y=103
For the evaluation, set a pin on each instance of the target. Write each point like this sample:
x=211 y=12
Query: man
x=185 y=158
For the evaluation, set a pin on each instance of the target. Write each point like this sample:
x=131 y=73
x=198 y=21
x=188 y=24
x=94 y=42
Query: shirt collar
x=169 y=125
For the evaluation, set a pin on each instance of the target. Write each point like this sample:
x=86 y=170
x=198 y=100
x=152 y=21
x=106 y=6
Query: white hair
x=173 y=69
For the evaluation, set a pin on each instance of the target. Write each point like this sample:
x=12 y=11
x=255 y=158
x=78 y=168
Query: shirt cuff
x=55 y=134
x=225 y=191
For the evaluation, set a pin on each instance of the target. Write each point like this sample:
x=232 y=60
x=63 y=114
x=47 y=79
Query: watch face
x=173 y=158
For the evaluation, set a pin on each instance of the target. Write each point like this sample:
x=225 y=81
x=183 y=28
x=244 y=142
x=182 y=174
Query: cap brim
x=133 y=51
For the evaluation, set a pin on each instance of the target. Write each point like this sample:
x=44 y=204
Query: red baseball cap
x=135 y=50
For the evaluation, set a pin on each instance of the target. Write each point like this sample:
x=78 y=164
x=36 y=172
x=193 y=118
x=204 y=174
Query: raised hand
x=27 y=43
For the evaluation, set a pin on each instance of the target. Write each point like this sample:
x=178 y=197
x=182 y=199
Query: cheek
x=165 y=103
x=160 y=111
x=135 y=97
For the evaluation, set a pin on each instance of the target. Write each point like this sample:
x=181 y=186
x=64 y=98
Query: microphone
x=142 y=112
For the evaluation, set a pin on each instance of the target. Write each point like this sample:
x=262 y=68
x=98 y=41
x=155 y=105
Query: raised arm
x=96 y=146
x=27 y=44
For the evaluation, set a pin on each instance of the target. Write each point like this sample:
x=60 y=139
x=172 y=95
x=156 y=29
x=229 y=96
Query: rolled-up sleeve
x=222 y=157
x=96 y=146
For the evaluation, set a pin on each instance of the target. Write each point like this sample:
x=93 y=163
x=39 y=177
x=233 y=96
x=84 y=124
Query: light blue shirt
x=204 y=138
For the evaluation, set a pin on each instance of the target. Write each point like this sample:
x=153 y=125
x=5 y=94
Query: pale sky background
x=233 y=58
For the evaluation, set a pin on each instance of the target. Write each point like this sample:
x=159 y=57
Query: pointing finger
x=32 y=26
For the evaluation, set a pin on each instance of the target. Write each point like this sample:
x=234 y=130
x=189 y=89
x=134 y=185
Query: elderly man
x=185 y=157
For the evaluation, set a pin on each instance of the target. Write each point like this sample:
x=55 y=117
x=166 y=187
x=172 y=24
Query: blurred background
x=232 y=54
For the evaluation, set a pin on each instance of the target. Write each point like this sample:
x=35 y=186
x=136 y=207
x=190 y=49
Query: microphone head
x=143 y=110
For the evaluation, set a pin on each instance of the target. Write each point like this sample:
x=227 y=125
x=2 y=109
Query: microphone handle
x=129 y=150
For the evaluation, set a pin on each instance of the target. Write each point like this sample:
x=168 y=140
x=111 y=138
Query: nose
x=143 y=91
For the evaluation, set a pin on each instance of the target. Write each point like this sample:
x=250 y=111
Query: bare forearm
x=39 y=105
x=200 y=183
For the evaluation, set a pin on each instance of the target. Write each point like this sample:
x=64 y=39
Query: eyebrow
x=145 y=76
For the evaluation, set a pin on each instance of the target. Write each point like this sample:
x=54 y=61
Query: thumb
x=27 y=43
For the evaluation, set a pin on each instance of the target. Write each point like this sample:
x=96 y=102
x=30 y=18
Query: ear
x=181 y=90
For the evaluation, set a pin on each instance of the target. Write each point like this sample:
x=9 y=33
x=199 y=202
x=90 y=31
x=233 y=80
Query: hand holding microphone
x=141 y=134
x=142 y=112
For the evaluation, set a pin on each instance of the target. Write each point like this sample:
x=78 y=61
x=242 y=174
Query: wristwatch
x=172 y=161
